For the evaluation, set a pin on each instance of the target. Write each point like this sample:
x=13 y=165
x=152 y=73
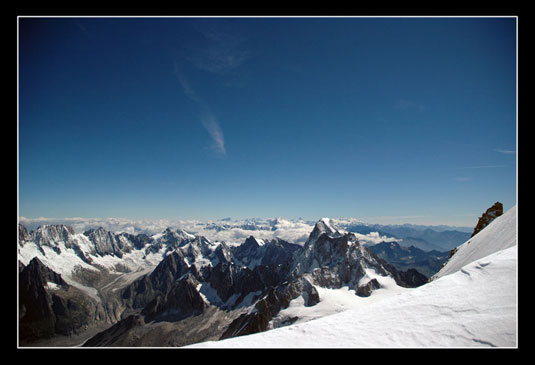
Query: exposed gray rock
x=107 y=243
x=23 y=235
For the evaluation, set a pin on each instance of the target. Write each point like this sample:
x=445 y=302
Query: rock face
x=119 y=331
x=48 y=306
x=270 y=305
x=109 y=243
x=492 y=213
x=180 y=301
x=333 y=259
x=145 y=289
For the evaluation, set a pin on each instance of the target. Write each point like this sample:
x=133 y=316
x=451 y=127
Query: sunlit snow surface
x=473 y=303
x=498 y=235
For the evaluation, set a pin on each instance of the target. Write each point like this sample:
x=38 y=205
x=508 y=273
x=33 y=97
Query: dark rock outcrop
x=138 y=294
x=492 y=213
x=366 y=289
x=180 y=301
x=36 y=317
x=257 y=252
x=45 y=312
x=116 y=332
x=270 y=305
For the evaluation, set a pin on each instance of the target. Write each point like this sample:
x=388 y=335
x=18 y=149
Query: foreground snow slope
x=472 y=302
x=498 y=235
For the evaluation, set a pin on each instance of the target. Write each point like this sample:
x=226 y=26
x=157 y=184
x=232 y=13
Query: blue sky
x=391 y=120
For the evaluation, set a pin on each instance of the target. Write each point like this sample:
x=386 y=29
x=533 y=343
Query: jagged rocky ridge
x=224 y=290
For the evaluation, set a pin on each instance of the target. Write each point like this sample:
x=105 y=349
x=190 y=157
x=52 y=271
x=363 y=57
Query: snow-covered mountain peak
x=324 y=226
x=174 y=236
x=182 y=233
x=54 y=230
x=53 y=234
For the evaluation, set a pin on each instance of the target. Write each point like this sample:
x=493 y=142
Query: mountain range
x=174 y=288
x=235 y=232
x=403 y=258
x=136 y=282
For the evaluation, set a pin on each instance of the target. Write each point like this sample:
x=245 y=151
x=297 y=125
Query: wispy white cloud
x=219 y=61
x=506 y=152
x=482 y=167
x=186 y=87
x=207 y=118
x=374 y=238
x=222 y=52
x=211 y=124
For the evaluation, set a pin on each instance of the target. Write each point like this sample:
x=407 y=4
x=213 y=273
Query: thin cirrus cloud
x=219 y=60
x=505 y=152
x=222 y=52
x=211 y=124
x=482 y=167
x=207 y=118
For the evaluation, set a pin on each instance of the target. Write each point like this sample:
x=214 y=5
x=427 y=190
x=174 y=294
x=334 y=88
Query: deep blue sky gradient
x=393 y=120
